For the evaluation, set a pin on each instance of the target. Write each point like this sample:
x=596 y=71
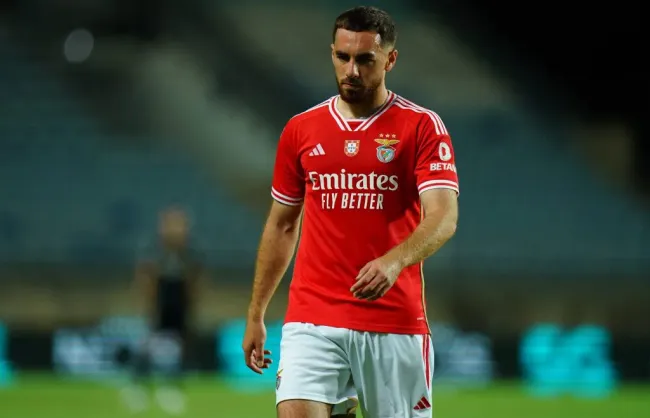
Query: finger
x=259 y=358
x=373 y=284
x=267 y=363
x=377 y=288
x=363 y=281
x=256 y=369
x=249 y=358
x=356 y=288
x=363 y=270
x=371 y=288
x=247 y=353
x=379 y=292
x=252 y=363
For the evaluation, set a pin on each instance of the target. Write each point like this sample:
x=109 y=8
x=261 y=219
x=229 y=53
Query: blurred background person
x=169 y=269
x=112 y=109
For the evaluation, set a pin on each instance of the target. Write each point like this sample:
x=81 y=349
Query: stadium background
x=111 y=110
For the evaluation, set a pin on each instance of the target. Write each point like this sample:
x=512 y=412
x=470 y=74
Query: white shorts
x=389 y=375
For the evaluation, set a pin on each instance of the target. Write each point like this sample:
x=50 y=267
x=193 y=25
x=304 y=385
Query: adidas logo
x=318 y=150
x=423 y=404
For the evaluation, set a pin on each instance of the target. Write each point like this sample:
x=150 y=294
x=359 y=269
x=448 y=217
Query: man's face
x=174 y=227
x=360 y=64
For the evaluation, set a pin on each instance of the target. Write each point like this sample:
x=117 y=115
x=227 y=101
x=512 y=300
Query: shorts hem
x=364 y=328
x=310 y=397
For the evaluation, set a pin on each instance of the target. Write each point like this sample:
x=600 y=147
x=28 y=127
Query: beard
x=359 y=94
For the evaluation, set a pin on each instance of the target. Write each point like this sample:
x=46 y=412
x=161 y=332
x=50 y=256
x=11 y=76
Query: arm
x=437 y=184
x=280 y=233
x=145 y=286
x=440 y=208
x=144 y=276
x=276 y=248
x=277 y=244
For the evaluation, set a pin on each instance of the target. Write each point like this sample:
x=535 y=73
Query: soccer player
x=374 y=177
x=167 y=274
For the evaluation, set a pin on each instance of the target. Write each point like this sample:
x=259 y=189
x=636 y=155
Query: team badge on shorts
x=385 y=150
x=278 y=379
x=351 y=147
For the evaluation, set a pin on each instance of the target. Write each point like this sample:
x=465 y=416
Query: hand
x=376 y=278
x=253 y=346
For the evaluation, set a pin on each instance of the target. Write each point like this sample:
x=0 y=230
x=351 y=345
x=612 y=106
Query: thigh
x=172 y=318
x=300 y=408
x=313 y=368
x=171 y=323
x=392 y=374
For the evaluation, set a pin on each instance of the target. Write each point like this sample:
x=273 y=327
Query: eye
x=343 y=57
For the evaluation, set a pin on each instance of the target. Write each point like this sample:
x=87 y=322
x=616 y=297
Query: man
x=167 y=274
x=375 y=178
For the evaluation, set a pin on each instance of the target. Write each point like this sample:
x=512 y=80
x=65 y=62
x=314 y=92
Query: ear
x=392 y=59
x=332 y=46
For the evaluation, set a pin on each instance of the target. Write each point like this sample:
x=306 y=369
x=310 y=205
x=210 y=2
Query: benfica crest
x=385 y=150
x=278 y=379
x=351 y=147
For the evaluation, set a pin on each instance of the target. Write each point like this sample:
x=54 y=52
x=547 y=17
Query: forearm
x=430 y=235
x=143 y=286
x=274 y=255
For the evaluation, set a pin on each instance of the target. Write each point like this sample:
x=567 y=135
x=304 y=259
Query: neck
x=362 y=110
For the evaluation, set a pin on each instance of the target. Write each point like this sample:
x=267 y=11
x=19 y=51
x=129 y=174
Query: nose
x=352 y=69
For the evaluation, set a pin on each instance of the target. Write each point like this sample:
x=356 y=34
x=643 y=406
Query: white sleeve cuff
x=284 y=199
x=438 y=184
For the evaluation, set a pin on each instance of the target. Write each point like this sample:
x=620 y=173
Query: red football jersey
x=359 y=181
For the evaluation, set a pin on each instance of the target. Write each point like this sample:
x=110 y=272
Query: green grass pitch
x=42 y=396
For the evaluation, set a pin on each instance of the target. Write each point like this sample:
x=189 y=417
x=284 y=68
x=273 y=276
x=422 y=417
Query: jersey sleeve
x=435 y=159
x=288 y=185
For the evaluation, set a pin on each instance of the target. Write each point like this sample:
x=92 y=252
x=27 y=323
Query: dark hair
x=368 y=19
